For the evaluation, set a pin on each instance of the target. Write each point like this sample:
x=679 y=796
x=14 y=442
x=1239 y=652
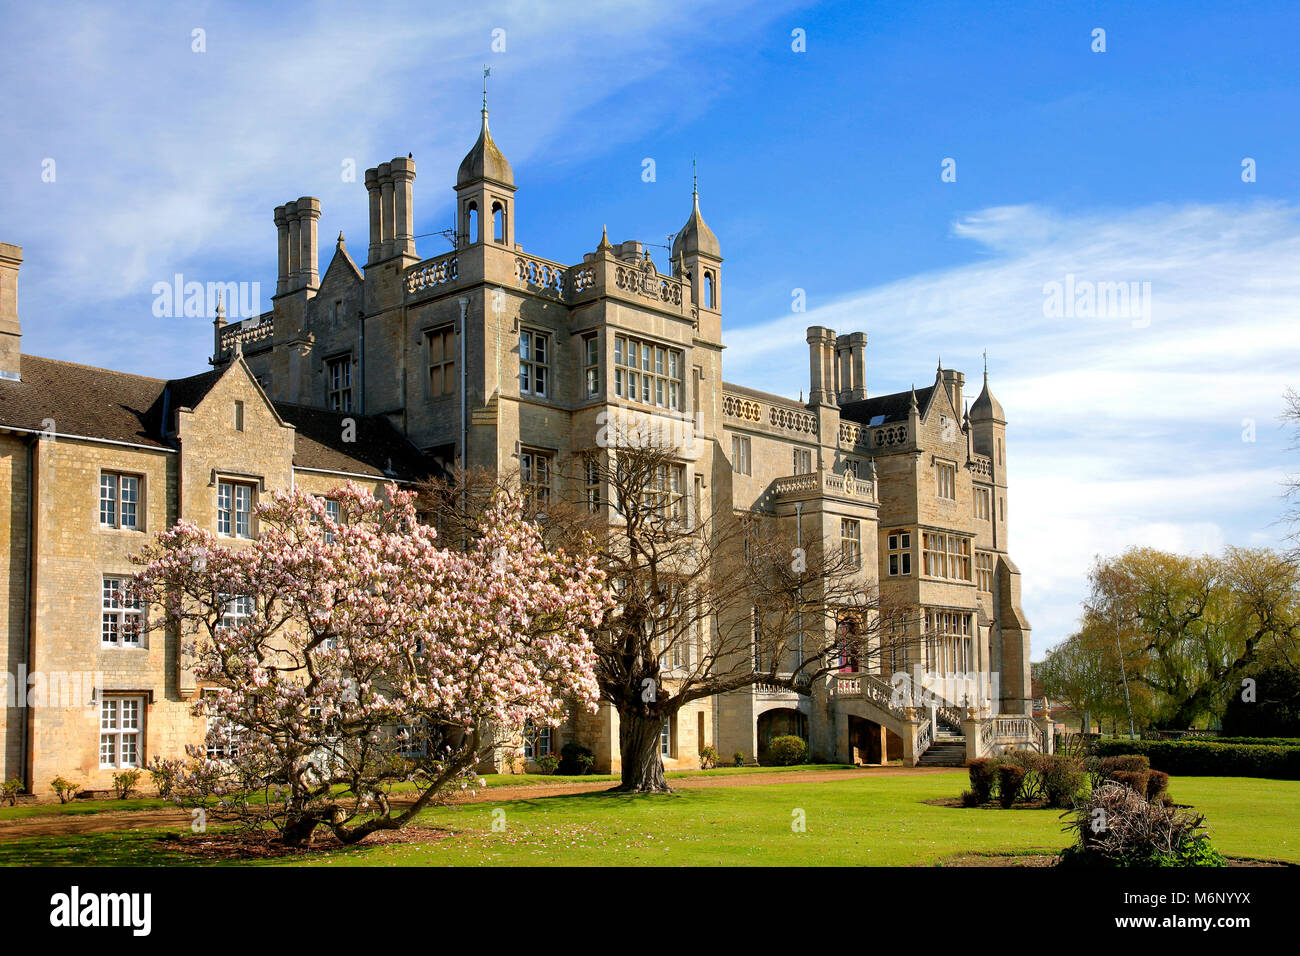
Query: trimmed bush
x=787 y=751
x=1203 y=759
x=1135 y=780
x=1157 y=785
x=1010 y=779
x=576 y=759
x=968 y=799
x=124 y=783
x=1062 y=780
x=1119 y=827
x=983 y=778
x=708 y=757
x=547 y=763
x=738 y=758
x=10 y=789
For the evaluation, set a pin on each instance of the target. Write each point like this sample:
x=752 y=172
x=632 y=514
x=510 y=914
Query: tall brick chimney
x=11 y=258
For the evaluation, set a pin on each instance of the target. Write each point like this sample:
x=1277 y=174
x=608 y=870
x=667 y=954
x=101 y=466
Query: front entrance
x=872 y=744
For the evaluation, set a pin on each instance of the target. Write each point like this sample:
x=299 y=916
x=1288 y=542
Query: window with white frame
x=534 y=363
x=220 y=744
x=948 y=644
x=852 y=468
x=898 y=551
x=535 y=472
x=120 y=741
x=119 y=501
x=235 y=509
x=851 y=541
x=741 y=459
x=984 y=571
x=947 y=556
x=591 y=364
x=983 y=510
x=237 y=608
x=592 y=483
x=338 y=375
x=664 y=493
x=666 y=738
x=537 y=740
x=648 y=373
x=334 y=512
x=120 y=615
x=945 y=477
x=802 y=461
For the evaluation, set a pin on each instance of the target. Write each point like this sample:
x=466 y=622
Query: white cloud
x=1120 y=434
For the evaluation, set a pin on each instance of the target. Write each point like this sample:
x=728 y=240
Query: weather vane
x=487 y=71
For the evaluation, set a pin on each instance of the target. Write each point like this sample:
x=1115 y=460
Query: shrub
x=983 y=778
x=576 y=759
x=65 y=789
x=1010 y=779
x=738 y=758
x=787 y=751
x=969 y=799
x=1157 y=785
x=1135 y=780
x=547 y=763
x=1119 y=827
x=1206 y=759
x=124 y=783
x=1062 y=780
x=164 y=774
x=708 y=757
x=10 y=790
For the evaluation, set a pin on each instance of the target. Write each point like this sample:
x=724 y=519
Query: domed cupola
x=485 y=191
x=697 y=256
x=485 y=161
x=986 y=407
x=696 y=236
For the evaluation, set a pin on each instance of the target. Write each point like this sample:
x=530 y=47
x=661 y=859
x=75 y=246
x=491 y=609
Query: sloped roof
x=892 y=407
x=97 y=403
x=84 y=401
x=379 y=450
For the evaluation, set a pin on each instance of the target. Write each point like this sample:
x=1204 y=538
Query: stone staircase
x=948 y=750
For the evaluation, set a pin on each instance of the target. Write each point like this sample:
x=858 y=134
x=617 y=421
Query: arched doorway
x=779 y=722
x=870 y=743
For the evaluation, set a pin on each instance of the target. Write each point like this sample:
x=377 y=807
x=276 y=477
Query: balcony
x=824 y=484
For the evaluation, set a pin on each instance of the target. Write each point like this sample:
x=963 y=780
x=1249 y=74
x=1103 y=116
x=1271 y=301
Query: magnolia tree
x=342 y=656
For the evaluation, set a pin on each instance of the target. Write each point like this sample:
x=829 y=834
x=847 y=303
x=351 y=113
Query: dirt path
x=110 y=820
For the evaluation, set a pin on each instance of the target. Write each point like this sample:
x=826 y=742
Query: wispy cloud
x=1121 y=432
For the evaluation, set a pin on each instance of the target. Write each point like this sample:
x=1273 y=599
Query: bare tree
x=707 y=603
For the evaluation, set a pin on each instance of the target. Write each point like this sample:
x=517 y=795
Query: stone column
x=858 y=366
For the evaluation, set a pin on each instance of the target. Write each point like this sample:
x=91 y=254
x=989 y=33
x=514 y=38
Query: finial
x=913 y=407
x=695 y=179
x=604 y=240
x=487 y=71
x=221 y=310
x=986 y=365
x=940 y=364
x=340 y=240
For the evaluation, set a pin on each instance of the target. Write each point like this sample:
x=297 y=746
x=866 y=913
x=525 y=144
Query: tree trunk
x=638 y=744
x=298 y=831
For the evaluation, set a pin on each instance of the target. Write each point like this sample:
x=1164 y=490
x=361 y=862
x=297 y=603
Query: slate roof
x=893 y=407
x=98 y=403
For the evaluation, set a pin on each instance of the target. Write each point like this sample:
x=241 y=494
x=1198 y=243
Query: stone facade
x=487 y=355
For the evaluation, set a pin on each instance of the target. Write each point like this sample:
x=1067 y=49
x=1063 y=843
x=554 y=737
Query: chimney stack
x=821 y=366
x=11 y=258
x=308 y=217
x=857 y=366
x=282 y=247
x=403 y=171
x=388 y=203
x=953 y=382
x=295 y=247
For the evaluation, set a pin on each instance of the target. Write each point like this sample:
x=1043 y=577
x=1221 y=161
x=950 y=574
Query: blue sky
x=819 y=170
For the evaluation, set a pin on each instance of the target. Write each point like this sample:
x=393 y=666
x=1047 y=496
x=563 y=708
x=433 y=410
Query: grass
x=873 y=821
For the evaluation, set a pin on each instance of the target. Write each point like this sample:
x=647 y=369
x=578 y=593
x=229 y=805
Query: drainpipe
x=464 y=385
x=361 y=359
x=798 y=543
x=28 y=712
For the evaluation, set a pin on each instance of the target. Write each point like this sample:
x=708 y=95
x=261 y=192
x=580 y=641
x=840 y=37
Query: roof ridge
x=100 y=368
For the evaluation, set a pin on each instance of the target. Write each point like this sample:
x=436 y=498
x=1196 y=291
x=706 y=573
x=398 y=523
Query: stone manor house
x=489 y=355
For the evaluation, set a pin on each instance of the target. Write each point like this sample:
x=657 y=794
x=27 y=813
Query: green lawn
x=860 y=821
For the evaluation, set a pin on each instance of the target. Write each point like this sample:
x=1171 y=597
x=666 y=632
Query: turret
x=485 y=193
x=697 y=254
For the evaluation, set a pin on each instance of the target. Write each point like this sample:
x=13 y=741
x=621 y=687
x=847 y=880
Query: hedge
x=1200 y=759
